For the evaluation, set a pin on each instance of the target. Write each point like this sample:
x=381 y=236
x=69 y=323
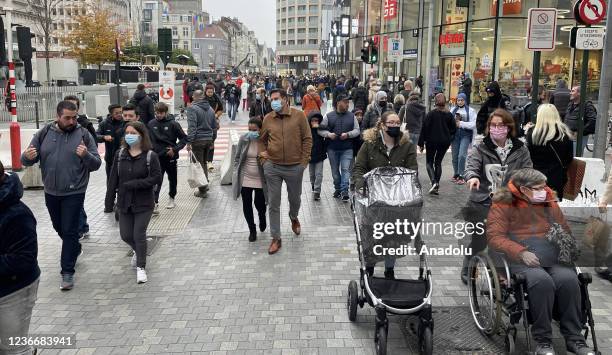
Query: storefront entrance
x=452 y=68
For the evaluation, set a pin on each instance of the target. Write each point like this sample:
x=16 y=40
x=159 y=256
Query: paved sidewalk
x=210 y=291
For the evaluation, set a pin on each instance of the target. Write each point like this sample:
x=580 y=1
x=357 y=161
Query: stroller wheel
x=426 y=341
x=352 y=300
x=381 y=341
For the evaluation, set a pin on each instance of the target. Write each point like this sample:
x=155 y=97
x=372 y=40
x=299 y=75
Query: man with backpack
x=67 y=154
x=201 y=124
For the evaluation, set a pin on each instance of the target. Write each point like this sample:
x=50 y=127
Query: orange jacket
x=512 y=215
x=311 y=103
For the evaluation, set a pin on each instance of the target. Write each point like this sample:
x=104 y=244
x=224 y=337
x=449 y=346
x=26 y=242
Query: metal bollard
x=37 y=116
x=44 y=110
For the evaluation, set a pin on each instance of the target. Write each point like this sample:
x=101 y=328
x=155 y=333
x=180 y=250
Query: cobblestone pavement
x=211 y=291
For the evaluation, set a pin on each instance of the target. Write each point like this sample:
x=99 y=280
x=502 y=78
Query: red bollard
x=15 y=146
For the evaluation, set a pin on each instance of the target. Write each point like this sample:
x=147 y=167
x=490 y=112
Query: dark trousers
x=109 y=165
x=247 y=206
x=434 y=155
x=211 y=151
x=133 y=230
x=83 y=225
x=475 y=212
x=167 y=167
x=64 y=212
x=557 y=289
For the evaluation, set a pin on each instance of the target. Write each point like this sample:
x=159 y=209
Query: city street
x=210 y=291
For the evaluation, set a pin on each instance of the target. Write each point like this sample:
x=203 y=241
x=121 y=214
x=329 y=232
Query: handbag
x=575 y=175
x=196 y=177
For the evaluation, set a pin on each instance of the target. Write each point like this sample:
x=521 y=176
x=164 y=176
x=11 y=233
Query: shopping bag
x=575 y=174
x=596 y=234
x=196 y=177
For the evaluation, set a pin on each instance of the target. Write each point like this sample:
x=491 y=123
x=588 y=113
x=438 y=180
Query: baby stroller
x=390 y=194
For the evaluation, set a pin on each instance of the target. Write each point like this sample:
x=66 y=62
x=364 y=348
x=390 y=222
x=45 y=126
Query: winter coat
x=194 y=86
x=115 y=129
x=232 y=93
x=260 y=109
x=484 y=154
x=145 y=105
x=319 y=143
x=244 y=90
x=406 y=94
x=514 y=224
x=165 y=134
x=561 y=98
x=63 y=171
x=86 y=123
x=133 y=182
x=373 y=113
x=18 y=244
x=373 y=154
x=311 y=103
x=359 y=95
x=201 y=122
x=214 y=102
x=552 y=160
x=337 y=123
x=239 y=160
x=287 y=137
x=439 y=127
x=468 y=120
x=492 y=103
x=590 y=117
x=412 y=114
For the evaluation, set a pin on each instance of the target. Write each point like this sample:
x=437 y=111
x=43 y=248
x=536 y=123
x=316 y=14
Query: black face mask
x=382 y=103
x=393 y=132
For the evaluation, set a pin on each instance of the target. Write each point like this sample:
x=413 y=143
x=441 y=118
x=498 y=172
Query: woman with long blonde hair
x=550 y=147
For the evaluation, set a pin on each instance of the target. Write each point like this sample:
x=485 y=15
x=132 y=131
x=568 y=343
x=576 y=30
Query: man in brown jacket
x=284 y=146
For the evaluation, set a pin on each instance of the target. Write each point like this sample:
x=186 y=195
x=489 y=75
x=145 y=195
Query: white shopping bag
x=196 y=177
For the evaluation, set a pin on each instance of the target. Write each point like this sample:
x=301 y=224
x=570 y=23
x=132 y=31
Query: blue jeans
x=460 y=146
x=63 y=210
x=340 y=162
x=232 y=110
x=585 y=140
x=414 y=138
x=83 y=225
x=15 y=315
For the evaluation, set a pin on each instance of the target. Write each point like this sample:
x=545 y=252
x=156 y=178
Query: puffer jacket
x=18 y=244
x=373 y=154
x=319 y=144
x=484 y=154
x=373 y=113
x=359 y=95
x=239 y=161
x=514 y=224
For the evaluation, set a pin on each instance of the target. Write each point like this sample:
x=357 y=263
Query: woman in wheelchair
x=384 y=145
x=523 y=215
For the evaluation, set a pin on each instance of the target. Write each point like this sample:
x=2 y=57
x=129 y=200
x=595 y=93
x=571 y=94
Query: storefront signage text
x=390 y=9
x=452 y=38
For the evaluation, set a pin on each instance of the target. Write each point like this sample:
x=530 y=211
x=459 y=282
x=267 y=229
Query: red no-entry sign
x=590 y=12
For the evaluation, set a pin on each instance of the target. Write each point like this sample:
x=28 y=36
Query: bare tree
x=44 y=13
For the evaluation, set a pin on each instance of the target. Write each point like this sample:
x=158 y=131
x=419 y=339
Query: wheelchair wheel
x=484 y=293
x=352 y=300
x=381 y=341
x=509 y=344
x=426 y=342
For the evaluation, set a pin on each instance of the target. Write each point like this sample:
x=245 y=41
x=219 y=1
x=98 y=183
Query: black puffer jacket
x=319 y=144
x=494 y=102
x=412 y=114
x=146 y=107
x=18 y=244
x=359 y=95
x=133 y=182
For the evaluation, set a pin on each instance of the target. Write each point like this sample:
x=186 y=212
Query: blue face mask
x=277 y=105
x=132 y=139
x=258 y=97
x=253 y=135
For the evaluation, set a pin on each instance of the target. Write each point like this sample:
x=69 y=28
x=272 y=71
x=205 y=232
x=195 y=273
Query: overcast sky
x=257 y=15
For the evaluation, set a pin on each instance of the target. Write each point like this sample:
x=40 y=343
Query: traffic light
x=164 y=44
x=373 y=54
x=365 y=52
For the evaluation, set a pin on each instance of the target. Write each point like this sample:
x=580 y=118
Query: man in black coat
x=261 y=106
x=110 y=132
x=494 y=101
x=359 y=96
x=145 y=105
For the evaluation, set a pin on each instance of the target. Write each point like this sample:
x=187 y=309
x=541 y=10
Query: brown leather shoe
x=296 y=227
x=274 y=246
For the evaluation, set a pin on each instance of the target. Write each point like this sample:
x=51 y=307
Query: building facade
x=485 y=39
x=299 y=33
x=211 y=49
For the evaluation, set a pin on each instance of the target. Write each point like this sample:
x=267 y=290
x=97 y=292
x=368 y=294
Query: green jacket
x=373 y=154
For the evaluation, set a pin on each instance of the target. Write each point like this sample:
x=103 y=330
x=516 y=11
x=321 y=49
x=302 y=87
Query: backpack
x=42 y=134
x=148 y=160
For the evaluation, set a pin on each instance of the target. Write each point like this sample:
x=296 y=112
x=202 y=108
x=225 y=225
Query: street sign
x=588 y=38
x=541 y=29
x=590 y=12
x=410 y=53
x=395 y=51
x=166 y=89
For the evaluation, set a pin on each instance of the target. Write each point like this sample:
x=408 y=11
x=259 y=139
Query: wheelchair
x=499 y=300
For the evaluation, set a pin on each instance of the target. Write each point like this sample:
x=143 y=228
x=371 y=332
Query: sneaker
x=579 y=347
x=460 y=181
x=544 y=348
x=84 y=235
x=67 y=282
x=156 y=209
x=434 y=189
x=317 y=196
x=211 y=167
x=336 y=194
x=454 y=178
x=200 y=194
x=170 y=204
x=141 y=275
x=133 y=261
x=345 y=196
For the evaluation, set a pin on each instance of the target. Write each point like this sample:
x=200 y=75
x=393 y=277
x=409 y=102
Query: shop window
x=593 y=75
x=374 y=16
x=515 y=63
x=410 y=14
x=479 y=58
x=555 y=65
x=437 y=12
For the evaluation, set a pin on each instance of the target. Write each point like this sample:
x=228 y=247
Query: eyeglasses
x=393 y=124
x=499 y=125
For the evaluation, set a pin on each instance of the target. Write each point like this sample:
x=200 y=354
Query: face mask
x=131 y=139
x=538 y=196
x=277 y=105
x=252 y=134
x=498 y=132
x=393 y=131
x=257 y=97
x=382 y=103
